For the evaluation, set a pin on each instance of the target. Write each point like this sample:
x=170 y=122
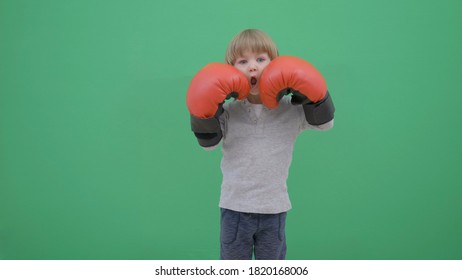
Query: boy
x=257 y=132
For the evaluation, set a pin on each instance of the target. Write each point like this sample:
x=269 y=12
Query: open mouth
x=253 y=81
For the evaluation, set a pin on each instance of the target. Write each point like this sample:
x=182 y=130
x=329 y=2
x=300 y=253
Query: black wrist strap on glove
x=316 y=113
x=207 y=131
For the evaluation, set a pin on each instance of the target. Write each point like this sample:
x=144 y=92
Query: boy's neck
x=254 y=99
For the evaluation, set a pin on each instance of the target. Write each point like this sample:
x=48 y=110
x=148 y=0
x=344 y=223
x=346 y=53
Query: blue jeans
x=244 y=234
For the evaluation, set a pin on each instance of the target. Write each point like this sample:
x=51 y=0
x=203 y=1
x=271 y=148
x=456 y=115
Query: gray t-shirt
x=257 y=152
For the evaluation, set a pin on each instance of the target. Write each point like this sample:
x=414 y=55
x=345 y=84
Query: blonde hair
x=253 y=40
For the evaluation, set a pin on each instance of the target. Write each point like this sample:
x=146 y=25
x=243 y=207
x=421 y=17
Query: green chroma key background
x=97 y=160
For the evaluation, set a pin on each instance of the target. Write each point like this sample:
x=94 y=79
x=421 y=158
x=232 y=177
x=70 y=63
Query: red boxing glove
x=208 y=90
x=290 y=74
x=212 y=85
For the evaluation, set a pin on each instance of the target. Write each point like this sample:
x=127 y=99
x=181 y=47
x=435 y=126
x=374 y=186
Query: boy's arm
x=289 y=74
x=208 y=90
x=326 y=126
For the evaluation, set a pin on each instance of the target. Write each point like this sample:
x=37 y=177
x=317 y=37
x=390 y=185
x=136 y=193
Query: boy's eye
x=261 y=59
x=243 y=61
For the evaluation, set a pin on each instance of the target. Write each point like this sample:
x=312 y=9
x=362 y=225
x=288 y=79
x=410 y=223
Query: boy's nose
x=252 y=68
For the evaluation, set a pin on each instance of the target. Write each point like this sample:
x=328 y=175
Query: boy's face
x=252 y=65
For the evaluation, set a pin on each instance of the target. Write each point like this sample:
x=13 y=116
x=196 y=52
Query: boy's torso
x=257 y=152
